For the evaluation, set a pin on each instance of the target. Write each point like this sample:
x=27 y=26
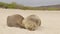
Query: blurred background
x=31 y=4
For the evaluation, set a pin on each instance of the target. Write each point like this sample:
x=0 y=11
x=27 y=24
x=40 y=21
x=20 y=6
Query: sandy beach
x=50 y=21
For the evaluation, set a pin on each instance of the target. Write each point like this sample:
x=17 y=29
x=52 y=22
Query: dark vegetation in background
x=14 y=5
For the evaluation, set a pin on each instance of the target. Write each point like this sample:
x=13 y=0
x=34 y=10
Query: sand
x=50 y=21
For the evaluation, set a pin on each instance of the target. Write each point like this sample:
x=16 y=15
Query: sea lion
x=15 y=20
x=31 y=22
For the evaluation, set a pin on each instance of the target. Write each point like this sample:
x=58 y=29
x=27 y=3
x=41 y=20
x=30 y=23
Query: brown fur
x=15 y=20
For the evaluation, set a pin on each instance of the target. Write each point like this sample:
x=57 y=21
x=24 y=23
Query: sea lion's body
x=31 y=22
x=15 y=20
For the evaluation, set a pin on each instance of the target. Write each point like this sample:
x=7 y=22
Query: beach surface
x=50 y=21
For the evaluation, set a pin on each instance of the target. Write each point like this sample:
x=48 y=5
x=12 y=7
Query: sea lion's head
x=30 y=26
